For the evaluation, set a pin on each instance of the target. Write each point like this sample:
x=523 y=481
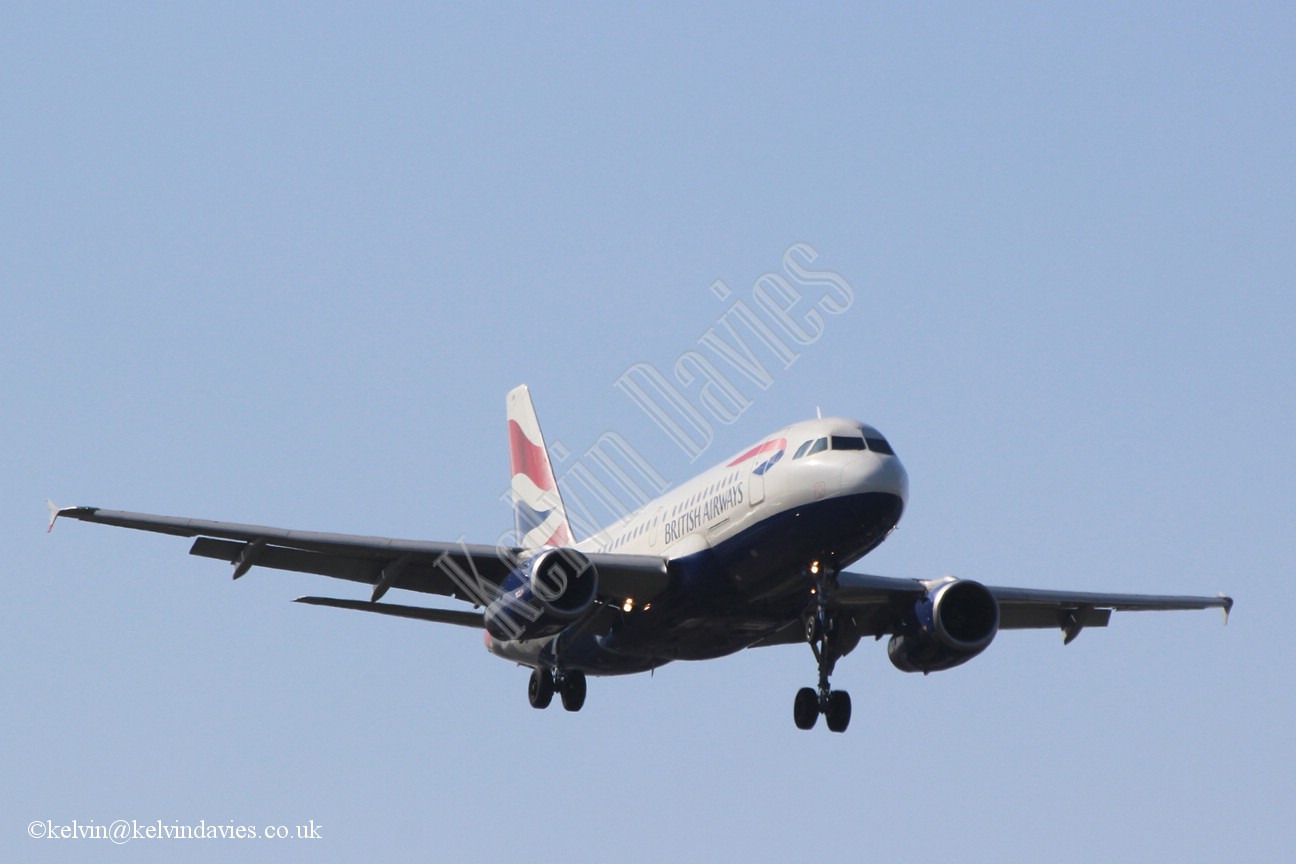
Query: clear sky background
x=280 y=263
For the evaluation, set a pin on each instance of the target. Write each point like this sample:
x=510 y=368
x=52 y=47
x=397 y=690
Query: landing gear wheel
x=838 y=711
x=540 y=690
x=805 y=710
x=573 y=691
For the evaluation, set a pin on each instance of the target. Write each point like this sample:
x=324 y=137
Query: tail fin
x=538 y=513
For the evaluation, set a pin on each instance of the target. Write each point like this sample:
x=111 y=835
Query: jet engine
x=950 y=625
x=553 y=589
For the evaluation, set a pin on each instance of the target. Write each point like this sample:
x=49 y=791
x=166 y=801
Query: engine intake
x=555 y=587
x=950 y=625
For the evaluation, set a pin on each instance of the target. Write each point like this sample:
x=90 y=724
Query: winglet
x=54 y=513
x=1227 y=607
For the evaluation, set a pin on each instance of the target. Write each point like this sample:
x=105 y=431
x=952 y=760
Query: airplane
x=750 y=553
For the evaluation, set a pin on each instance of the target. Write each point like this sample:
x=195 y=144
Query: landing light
x=814 y=568
x=628 y=605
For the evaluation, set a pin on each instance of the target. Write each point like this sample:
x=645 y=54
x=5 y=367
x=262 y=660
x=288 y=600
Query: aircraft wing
x=1072 y=611
x=873 y=601
x=471 y=572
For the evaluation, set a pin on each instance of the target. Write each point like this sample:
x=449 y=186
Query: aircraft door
x=756 y=484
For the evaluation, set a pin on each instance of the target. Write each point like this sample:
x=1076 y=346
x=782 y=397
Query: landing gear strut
x=835 y=705
x=569 y=685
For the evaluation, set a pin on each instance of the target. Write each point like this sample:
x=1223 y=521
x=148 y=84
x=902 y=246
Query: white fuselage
x=735 y=495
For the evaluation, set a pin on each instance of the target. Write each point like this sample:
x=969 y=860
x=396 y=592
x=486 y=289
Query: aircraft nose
x=872 y=472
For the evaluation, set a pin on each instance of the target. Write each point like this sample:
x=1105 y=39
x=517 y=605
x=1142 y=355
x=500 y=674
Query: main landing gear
x=835 y=705
x=569 y=685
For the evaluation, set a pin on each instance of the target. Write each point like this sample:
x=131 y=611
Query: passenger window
x=880 y=445
x=842 y=442
x=818 y=447
x=801 y=451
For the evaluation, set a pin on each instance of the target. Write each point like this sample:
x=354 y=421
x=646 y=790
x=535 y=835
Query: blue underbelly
x=740 y=591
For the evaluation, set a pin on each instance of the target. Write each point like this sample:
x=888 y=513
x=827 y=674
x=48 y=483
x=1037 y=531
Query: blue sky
x=279 y=264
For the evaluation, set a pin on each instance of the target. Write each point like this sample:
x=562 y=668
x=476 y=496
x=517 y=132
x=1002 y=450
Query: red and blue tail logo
x=538 y=513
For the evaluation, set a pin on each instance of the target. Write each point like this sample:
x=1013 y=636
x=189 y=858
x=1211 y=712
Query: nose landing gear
x=820 y=633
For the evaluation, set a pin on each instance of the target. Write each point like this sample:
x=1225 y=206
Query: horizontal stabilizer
x=421 y=613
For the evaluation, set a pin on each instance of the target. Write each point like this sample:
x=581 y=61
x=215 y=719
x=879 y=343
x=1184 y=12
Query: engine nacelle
x=555 y=587
x=950 y=625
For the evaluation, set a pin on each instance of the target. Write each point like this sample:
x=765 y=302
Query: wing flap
x=296 y=560
x=1037 y=617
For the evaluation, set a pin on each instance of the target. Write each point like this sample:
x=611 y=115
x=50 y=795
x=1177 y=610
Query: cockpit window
x=880 y=445
x=818 y=447
x=845 y=442
x=801 y=451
